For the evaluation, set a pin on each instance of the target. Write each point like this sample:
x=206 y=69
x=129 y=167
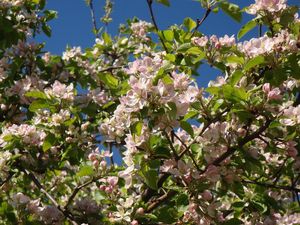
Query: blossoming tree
x=225 y=154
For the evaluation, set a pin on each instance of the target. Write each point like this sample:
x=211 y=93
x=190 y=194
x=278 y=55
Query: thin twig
x=287 y=188
x=10 y=175
x=188 y=152
x=91 y=5
x=111 y=158
x=149 y=2
x=160 y=200
x=110 y=68
x=241 y=143
x=199 y=22
x=66 y=213
x=260 y=30
x=77 y=189
x=171 y=145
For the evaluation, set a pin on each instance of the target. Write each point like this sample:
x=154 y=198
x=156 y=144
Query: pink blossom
x=201 y=42
x=227 y=41
x=266 y=88
x=113 y=181
x=267 y=5
x=274 y=94
x=212 y=173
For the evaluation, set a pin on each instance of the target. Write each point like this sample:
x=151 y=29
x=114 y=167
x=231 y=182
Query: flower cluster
x=214 y=41
x=271 y=6
x=283 y=41
x=61 y=91
x=140 y=29
x=28 y=134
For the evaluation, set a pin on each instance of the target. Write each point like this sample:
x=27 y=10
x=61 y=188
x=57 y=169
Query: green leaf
x=184 y=47
x=246 y=28
x=235 y=77
x=40 y=104
x=170 y=57
x=164 y=2
x=85 y=170
x=149 y=171
x=187 y=127
x=106 y=38
x=46 y=29
x=196 y=51
x=189 y=23
x=235 y=59
x=234 y=94
x=231 y=10
x=190 y=115
x=233 y=221
x=49 y=142
x=50 y=14
x=109 y=80
x=168 y=35
x=137 y=128
x=213 y=90
x=172 y=110
x=254 y=62
x=36 y=94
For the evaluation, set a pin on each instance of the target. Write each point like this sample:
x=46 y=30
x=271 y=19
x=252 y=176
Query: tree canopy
x=225 y=154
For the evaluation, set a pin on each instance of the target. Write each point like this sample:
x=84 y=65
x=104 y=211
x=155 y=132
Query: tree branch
x=188 y=151
x=199 y=22
x=8 y=178
x=91 y=5
x=160 y=200
x=66 y=213
x=149 y=2
x=241 y=143
x=77 y=189
x=287 y=188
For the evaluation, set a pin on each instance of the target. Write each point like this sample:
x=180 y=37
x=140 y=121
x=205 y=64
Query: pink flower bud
x=102 y=187
x=108 y=190
x=266 y=88
x=3 y=107
x=242 y=132
x=92 y=156
x=206 y=195
x=103 y=164
x=95 y=163
x=275 y=94
x=112 y=181
x=134 y=222
x=140 y=211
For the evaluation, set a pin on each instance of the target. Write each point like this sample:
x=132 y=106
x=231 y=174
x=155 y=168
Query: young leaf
x=254 y=62
x=36 y=94
x=48 y=142
x=246 y=28
x=189 y=23
x=164 y=2
x=187 y=127
x=231 y=10
x=85 y=170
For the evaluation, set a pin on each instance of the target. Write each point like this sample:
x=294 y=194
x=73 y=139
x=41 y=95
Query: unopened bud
x=140 y=211
x=134 y=222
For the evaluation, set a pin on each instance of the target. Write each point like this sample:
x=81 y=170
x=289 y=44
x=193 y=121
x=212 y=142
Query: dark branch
x=91 y=5
x=66 y=213
x=199 y=22
x=287 y=188
x=10 y=175
x=77 y=189
x=161 y=200
x=149 y=2
x=241 y=143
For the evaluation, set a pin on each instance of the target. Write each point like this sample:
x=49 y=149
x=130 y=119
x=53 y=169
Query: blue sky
x=73 y=26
